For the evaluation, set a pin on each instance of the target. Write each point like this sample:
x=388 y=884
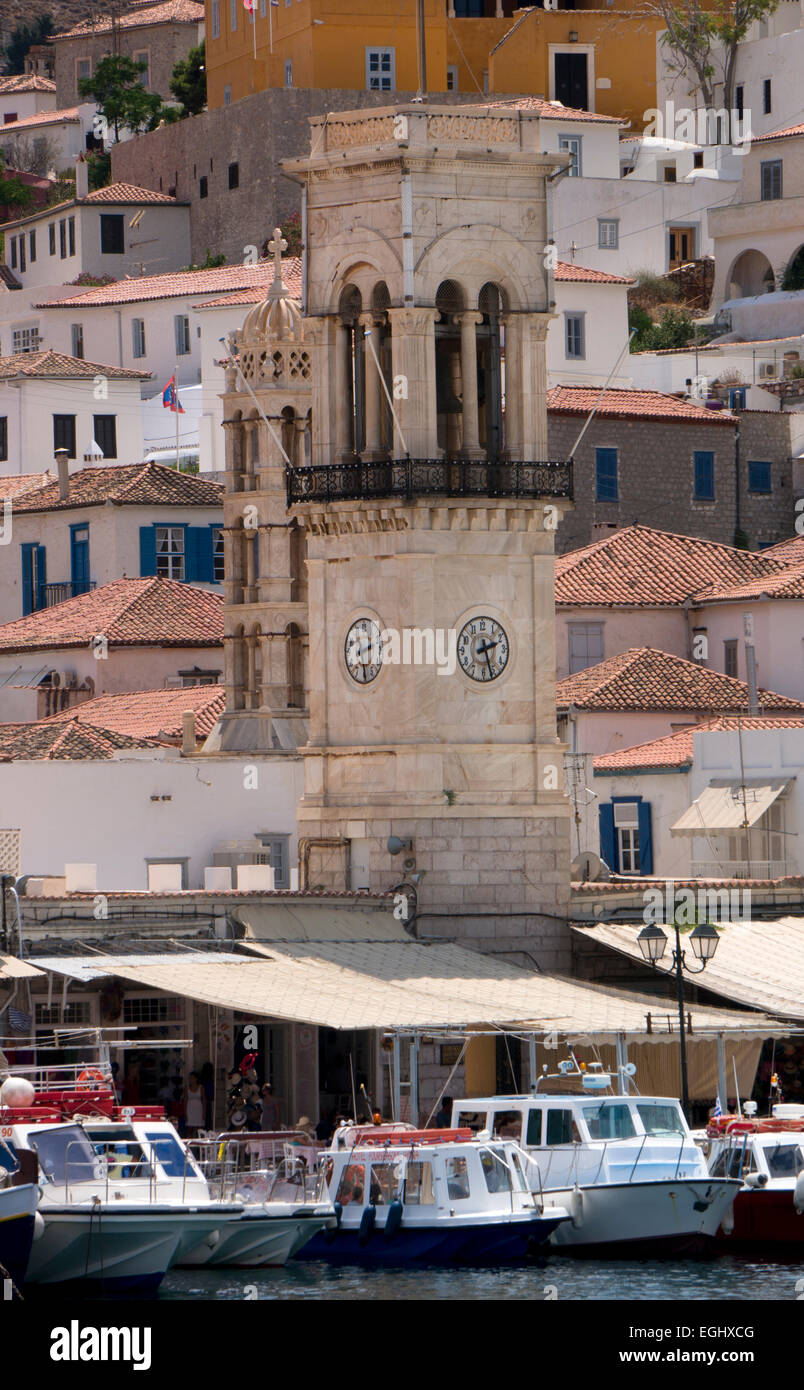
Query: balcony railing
x=739 y=868
x=57 y=593
x=409 y=479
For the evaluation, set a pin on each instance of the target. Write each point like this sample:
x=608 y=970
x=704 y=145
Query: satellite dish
x=588 y=867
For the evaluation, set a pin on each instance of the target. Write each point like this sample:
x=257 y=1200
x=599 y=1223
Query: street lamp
x=704 y=941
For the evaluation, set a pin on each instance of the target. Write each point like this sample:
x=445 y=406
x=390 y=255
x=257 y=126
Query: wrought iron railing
x=410 y=479
x=57 y=593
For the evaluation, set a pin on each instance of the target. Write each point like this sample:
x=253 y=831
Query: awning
x=24 y=677
x=11 y=968
x=758 y=964
x=406 y=984
x=721 y=810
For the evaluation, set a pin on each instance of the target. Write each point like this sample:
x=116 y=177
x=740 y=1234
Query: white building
x=101 y=523
x=49 y=401
x=590 y=330
x=118 y=231
x=25 y=94
x=55 y=138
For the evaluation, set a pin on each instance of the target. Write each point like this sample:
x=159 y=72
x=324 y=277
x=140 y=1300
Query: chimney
x=81 y=177
x=188 y=733
x=62 y=463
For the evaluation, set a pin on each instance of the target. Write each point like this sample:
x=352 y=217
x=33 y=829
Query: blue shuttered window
x=704 y=490
x=199 y=558
x=623 y=850
x=34 y=577
x=606 y=475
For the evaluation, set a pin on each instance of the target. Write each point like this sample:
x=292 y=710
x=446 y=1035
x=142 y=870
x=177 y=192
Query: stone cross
x=276 y=246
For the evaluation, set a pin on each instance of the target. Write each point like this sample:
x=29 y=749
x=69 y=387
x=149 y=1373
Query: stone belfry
x=267 y=406
x=429 y=510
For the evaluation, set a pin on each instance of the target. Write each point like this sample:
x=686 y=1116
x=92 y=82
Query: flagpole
x=176 y=406
x=270 y=32
x=254 y=26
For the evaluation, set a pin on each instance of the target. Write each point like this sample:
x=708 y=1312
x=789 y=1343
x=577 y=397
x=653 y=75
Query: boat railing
x=638 y=1157
x=261 y=1167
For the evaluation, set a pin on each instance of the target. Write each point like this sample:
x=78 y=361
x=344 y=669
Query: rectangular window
x=71 y=235
x=419 y=1185
x=105 y=432
x=170 y=552
x=142 y=55
x=626 y=826
x=21 y=241
x=767 y=97
x=3 y=438
x=608 y=233
x=51 y=236
x=13 y=243
x=25 y=340
x=289 y=74
x=381 y=69
x=572 y=145
x=575 y=346
x=704 y=490
x=217 y=554
x=670 y=173
x=203 y=186
x=559 y=1127
x=34 y=577
x=77 y=339
x=770 y=173
x=759 y=476
x=234 y=175
x=32 y=246
x=730 y=657
x=63 y=238
x=585 y=645
x=138 y=337
x=452 y=78
x=181 y=334
x=352 y=1185
x=233 y=4
x=64 y=434
x=739 y=100
x=111 y=234
x=606 y=475
x=697 y=160
x=216 y=19
x=83 y=68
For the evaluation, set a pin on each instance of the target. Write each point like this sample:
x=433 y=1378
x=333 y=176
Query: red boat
x=768 y=1154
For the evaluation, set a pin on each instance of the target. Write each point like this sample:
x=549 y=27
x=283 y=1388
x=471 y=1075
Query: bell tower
x=429 y=509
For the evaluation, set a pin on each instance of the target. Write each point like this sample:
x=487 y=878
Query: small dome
x=276 y=318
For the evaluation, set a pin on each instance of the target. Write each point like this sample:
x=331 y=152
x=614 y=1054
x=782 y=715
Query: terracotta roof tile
x=19 y=483
x=69 y=740
x=140 y=16
x=622 y=404
x=644 y=678
x=69 y=115
x=554 y=110
x=789 y=551
x=643 y=567
x=779 y=134
x=676 y=750
x=291 y=275
x=129 y=613
x=788 y=584
x=149 y=714
x=58 y=365
x=127 y=193
x=180 y=282
x=25 y=82
x=565 y=271
x=127 y=485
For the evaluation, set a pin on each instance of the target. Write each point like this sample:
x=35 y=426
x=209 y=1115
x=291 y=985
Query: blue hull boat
x=17 y=1216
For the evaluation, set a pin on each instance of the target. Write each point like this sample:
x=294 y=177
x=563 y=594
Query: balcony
x=411 y=479
x=51 y=594
x=739 y=868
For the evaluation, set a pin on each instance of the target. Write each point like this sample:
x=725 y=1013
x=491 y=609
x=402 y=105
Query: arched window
x=298 y=576
x=350 y=307
x=490 y=370
x=449 y=385
x=380 y=303
x=239 y=668
x=295 y=651
x=288 y=433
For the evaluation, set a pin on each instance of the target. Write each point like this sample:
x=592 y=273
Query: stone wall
x=165 y=44
x=255 y=134
x=656 y=477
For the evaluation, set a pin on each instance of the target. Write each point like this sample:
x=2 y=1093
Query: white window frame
x=572 y=144
x=626 y=828
x=25 y=339
x=173 y=558
x=605 y=240
x=378 y=85
x=588 y=635
x=581 y=317
x=452 y=77
x=181 y=334
x=218 y=554
x=289 y=73
x=138 y=348
x=77 y=339
x=589 y=50
x=216 y=19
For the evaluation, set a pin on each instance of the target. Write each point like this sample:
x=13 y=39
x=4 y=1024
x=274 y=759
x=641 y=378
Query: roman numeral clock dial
x=483 y=649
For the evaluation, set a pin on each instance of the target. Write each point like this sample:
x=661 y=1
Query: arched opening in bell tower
x=239 y=667
x=350 y=307
x=295 y=658
x=450 y=304
x=490 y=370
x=379 y=424
x=288 y=433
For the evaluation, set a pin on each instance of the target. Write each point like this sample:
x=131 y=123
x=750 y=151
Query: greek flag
x=718 y=1111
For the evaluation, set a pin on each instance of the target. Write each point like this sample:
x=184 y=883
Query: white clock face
x=483 y=649
x=363 y=651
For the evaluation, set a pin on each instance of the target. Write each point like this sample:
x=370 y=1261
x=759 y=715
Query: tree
x=14 y=194
x=30 y=156
x=703 y=43
x=188 y=82
x=115 y=86
x=23 y=37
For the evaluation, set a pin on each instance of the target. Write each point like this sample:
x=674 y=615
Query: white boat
x=18 y=1224
x=407 y=1196
x=285 y=1200
x=767 y=1157
x=639 y=1182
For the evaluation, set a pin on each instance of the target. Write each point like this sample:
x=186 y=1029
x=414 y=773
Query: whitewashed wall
x=127 y=668
x=30 y=405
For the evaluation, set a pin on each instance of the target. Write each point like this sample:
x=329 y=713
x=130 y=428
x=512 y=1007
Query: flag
x=718 y=1110
x=19 y=1022
x=248 y=5
x=170 y=400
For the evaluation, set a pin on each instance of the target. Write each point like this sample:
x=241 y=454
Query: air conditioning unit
x=767 y=369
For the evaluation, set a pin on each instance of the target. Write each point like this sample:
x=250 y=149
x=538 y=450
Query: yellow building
x=600 y=59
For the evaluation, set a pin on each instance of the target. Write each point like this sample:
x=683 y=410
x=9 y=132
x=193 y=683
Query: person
x=270 y=1109
x=304 y=1125
x=208 y=1087
x=194 y=1106
x=443 y=1118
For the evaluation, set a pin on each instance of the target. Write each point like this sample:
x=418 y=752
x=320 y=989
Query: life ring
x=89 y=1079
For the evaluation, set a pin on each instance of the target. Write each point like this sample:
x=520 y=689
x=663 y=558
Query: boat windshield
x=123 y=1152
x=385 y=1183
x=8 y=1158
x=609 y=1120
x=784 y=1160
x=495 y=1171
x=175 y=1161
x=660 y=1118
x=65 y=1154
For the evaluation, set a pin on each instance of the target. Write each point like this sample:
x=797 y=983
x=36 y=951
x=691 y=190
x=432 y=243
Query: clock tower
x=428 y=509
